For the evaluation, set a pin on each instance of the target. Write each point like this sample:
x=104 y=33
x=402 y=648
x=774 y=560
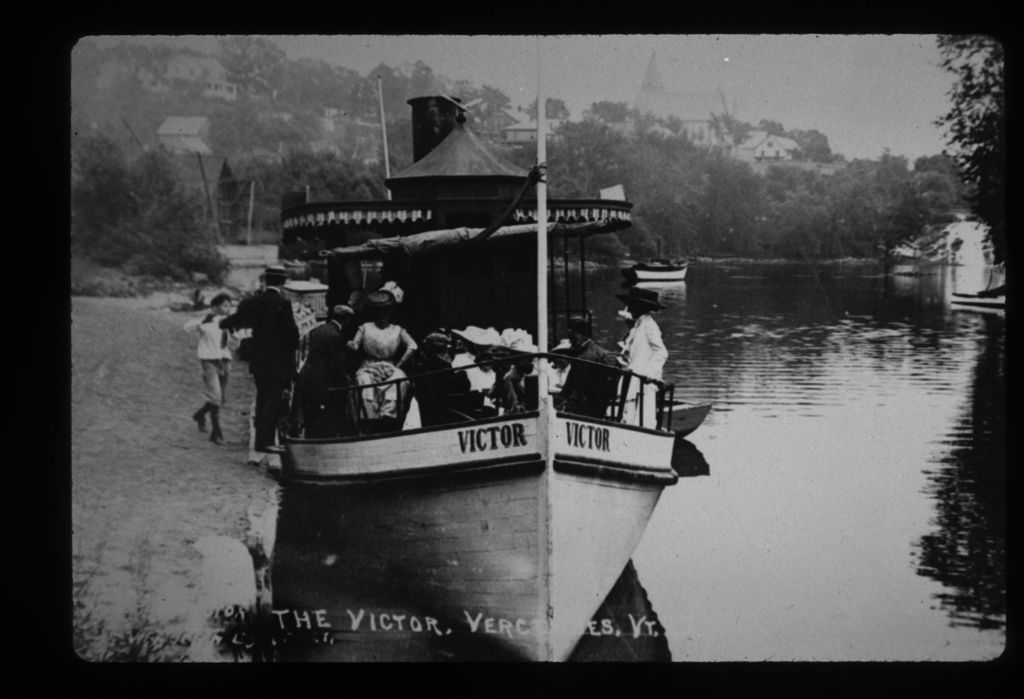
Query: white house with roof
x=206 y=70
x=759 y=146
x=524 y=130
x=181 y=135
x=191 y=69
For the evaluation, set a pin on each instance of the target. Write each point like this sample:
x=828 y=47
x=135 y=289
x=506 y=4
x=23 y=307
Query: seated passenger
x=472 y=346
x=588 y=389
x=511 y=393
x=434 y=392
x=559 y=367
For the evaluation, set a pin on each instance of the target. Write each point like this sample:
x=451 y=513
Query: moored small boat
x=985 y=300
x=687 y=417
x=656 y=271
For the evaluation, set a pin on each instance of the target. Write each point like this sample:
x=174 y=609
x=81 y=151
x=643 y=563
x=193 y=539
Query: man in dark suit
x=330 y=364
x=275 y=339
x=434 y=392
x=589 y=388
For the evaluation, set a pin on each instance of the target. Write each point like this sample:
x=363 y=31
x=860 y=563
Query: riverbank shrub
x=139 y=215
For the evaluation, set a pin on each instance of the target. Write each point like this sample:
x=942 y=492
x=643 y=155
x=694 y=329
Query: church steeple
x=652 y=81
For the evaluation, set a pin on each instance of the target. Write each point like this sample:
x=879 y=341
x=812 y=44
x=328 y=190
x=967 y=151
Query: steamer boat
x=506 y=529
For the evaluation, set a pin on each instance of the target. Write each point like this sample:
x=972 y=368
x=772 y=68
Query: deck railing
x=610 y=394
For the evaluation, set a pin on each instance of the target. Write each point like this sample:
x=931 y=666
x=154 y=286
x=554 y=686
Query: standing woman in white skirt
x=645 y=354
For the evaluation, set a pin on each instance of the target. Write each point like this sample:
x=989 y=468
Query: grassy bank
x=91 y=279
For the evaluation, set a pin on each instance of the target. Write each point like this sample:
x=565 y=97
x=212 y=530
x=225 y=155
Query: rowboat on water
x=994 y=300
x=660 y=270
x=483 y=525
x=687 y=417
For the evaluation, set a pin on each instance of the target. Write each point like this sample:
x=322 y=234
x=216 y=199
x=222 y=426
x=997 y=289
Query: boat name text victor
x=587 y=436
x=490 y=438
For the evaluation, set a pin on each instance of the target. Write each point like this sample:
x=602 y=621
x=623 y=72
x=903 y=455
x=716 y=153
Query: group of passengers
x=345 y=354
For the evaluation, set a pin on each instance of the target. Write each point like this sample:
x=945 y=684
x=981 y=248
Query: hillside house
x=190 y=69
x=203 y=69
x=524 y=130
x=225 y=197
x=184 y=135
x=759 y=147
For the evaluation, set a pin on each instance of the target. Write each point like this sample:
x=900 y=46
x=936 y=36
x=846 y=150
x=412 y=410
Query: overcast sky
x=865 y=92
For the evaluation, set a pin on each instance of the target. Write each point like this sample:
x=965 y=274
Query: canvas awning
x=429 y=241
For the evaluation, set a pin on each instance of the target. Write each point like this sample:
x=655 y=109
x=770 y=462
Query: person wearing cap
x=385 y=348
x=589 y=387
x=215 y=360
x=434 y=392
x=645 y=354
x=275 y=338
x=325 y=410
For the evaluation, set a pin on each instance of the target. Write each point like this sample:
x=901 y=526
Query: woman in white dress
x=645 y=354
x=385 y=348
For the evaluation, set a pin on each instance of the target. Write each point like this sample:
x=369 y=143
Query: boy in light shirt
x=215 y=360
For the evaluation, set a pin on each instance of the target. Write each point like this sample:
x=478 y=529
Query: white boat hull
x=506 y=547
x=969 y=301
x=669 y=275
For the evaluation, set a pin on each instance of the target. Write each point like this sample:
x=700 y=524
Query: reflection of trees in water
x=624 y=606
x=967 y=554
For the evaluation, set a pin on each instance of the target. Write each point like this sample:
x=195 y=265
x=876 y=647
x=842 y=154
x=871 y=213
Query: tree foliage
x=687 y=200
x=608 y=112
x=255 y=64
x=976 y=126
x=138 y=214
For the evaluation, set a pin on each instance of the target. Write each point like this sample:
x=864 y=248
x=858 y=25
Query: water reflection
x=857 y=416
x=856 y=508
x=346 y=590
x=967 y=553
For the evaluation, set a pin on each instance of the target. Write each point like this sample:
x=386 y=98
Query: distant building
x=192 y=69
x=203 y=69
x=183 y=135
x=760 y=146
x=695 y=110
x=225 y=197
x=524 y=130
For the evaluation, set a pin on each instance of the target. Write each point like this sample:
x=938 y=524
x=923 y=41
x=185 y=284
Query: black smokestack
x=433 y=118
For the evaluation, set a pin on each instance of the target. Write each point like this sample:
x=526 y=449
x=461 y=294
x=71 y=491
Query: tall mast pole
x=542 y=231
x=384 y=132
x=546 y=423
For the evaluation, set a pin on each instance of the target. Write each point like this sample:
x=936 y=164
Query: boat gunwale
x=469 y=424
x=490 y=467
x=604 y=469
x=359 y=438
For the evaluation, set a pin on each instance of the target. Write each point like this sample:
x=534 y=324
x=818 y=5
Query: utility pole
x=252 y=193
x=384 y=132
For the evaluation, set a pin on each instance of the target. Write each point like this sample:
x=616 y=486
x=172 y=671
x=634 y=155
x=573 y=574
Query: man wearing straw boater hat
x=645 y=354
x=275 y=339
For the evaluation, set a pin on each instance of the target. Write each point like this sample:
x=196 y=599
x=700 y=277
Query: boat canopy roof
x=460 y=154
x=430 y=241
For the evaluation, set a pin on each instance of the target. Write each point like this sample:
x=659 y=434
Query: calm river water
x=856 y=504
x=855 y=507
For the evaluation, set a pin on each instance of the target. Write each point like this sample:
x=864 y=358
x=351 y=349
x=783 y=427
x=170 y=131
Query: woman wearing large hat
x=385 y=348
x=645 y=354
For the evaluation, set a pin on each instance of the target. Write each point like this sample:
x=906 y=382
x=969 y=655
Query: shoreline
x=146 y=486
